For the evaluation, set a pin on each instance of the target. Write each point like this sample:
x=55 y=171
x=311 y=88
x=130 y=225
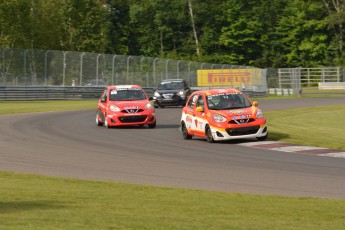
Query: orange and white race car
x=222 y=114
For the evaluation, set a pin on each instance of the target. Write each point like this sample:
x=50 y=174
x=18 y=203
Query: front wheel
x=209 y=136
x=106 y=122
x=262 y=138
x=151 y=126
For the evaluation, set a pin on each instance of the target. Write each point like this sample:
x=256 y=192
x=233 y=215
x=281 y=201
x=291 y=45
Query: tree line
x=260 y=33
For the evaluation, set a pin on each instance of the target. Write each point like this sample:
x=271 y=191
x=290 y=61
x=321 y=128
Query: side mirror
x=103 y=100
x=151 y=99
x=199 y=109
x=255 y=103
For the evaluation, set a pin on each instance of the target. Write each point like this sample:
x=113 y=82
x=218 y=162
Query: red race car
x=222 y=114
x=125 y=105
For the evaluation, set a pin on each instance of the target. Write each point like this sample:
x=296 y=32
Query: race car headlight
x=156 y=94
x=219 y=118
x=114 y=108
x=259 y=114
x=180 y=93
x=148 y=106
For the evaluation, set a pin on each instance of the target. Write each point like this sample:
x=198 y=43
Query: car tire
x=209 y=136
x=99 y=122
x=185 y=133
x=152 y=126
x=262 y=138
x=106 y=122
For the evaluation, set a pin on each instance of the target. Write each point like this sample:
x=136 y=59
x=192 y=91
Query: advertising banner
x=225 y=77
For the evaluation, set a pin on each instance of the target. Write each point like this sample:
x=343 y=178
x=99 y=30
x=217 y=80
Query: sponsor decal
x=238 y=111
x=226 y=77
x=131 y=107
x=189 y=119
x=240 y=117
x=196 y=122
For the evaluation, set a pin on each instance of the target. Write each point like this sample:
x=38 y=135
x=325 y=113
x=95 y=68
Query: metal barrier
x=54 y=93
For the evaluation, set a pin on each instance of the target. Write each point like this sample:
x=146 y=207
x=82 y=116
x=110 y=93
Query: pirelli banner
x=238 y=78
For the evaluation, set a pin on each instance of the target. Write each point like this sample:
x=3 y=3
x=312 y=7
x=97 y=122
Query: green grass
x=10 y=107
x=37 y=202
x=321 y=126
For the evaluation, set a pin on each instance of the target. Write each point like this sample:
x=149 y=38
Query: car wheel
x=99 y=122
x=106 y=122
x=185 y=134
x=209 y=136
x=151 y=126
x=262 y=138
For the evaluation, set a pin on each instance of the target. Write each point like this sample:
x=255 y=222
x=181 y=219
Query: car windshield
x=227 y=101
x=127 y=94
x=170 y=85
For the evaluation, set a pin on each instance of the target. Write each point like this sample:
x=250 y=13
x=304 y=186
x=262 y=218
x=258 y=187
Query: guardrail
x=331 y=85
x=21 y=93
x=16 y=93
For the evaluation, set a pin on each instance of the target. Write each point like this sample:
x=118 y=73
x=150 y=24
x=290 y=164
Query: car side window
x=200 y=102
x=104 y=96
x=192 y=101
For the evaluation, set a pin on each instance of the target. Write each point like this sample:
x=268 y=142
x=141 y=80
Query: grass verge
x=37 y=202
x=10 y=107
x=321 y=126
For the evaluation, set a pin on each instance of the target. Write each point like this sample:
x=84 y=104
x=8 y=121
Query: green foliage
x=259 y=33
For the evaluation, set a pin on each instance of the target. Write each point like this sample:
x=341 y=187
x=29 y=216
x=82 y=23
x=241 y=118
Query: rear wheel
x=185 y=134
x=209 y=136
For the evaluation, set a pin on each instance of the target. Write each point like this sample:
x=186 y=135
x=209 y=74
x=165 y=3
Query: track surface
x=69 y=144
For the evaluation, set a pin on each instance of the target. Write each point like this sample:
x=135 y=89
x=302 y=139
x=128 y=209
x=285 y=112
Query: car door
x=102 y=103
x=199 y=119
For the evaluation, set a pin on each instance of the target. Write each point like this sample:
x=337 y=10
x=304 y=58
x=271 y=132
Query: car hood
x=168 y=91
x=130 y=104
x=239 y=113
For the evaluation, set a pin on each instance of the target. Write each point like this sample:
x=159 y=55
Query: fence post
x=129 y=57
x=154 y=71
x=81 y=69
x=64 y=68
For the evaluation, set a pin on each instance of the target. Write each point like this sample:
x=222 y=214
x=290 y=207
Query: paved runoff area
x=293 y=148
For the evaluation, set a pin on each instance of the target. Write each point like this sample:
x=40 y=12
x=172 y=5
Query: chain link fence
x=28 y=67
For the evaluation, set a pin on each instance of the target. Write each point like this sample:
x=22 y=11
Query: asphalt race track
x=69 y=144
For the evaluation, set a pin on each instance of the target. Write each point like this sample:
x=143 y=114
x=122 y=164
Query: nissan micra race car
x=125 y=105
x=222 y=114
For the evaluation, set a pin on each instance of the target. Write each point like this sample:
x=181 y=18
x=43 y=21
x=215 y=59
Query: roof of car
x=218 y=91
x=165 y=80
x=124 y=86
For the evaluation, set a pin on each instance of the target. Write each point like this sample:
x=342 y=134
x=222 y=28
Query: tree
x=303 y=35
x=336 y=20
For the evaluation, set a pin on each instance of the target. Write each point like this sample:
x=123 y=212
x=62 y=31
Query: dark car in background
x=97 y=83
x=171 y=92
